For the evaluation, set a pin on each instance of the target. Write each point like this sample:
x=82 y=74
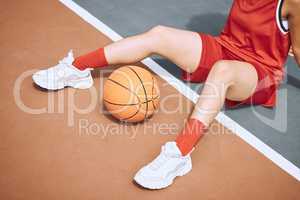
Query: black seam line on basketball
x=125 y=88
x=131 y=104
x=138 y=110
x=152 y=94
x=139 y=104
x=143 y=89
x=130 y=117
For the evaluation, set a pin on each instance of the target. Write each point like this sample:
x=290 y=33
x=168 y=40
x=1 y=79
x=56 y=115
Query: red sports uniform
x=254 y=33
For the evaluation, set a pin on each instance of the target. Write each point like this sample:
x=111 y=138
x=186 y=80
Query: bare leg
x=181 y=47
x=228 y=79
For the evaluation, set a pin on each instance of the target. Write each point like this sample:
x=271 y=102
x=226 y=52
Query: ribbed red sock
x=190 y=135
x=94 y=59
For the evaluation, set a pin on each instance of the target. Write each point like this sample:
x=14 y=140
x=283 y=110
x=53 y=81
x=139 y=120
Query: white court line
x=260 y=146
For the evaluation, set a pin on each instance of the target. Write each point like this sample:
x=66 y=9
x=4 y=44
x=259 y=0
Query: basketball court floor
x=60 y=145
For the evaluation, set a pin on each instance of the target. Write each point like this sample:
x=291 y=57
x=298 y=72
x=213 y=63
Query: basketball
x=131 y=94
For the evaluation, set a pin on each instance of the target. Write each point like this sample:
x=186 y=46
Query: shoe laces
x=60 y=68
x=67 y=59
x=162 y=159
x=63 y=64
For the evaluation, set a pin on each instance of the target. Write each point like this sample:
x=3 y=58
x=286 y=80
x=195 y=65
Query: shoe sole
x=156 y=185
x=83 y=83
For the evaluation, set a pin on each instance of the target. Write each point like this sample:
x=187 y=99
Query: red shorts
x=212 y=51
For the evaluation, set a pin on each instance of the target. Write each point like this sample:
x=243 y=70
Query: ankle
x=94 y=59
x=190 y=135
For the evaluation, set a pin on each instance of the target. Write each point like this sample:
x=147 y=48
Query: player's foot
x=63 y=75
x=161 y=172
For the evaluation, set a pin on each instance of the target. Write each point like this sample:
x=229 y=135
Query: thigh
x=244 y=83
x=180 y=46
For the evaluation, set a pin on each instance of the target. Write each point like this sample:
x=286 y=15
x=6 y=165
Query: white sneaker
x=161 y=172
x=63 y=75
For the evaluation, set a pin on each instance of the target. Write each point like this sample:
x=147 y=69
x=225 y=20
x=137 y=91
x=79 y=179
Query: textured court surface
x=129 y=17
x=48 y=156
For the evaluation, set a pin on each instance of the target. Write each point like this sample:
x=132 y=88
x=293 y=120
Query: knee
x=158 y=30
x=157 y=37
x=223 y=71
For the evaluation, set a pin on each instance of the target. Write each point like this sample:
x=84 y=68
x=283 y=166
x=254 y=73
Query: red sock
x=93 y=59
x=190 y=135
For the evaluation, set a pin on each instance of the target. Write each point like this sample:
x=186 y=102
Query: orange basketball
x=131 y=94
